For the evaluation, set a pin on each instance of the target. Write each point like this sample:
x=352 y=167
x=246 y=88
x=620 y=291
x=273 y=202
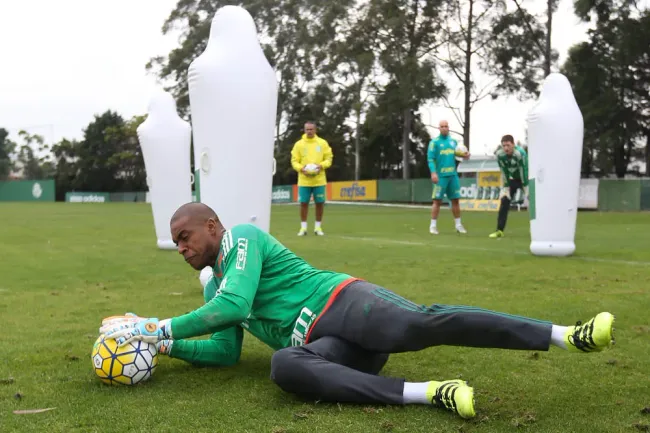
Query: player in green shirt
x=441 y=157
x=513 y=163
x=326 y=324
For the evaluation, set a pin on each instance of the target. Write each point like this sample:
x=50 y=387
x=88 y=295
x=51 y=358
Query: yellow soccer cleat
x=497 y=234
x=319 y=231
x=453 y=395
x=302 y=232
x=593 y=336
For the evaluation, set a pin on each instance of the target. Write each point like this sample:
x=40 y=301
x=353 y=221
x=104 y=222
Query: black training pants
x=351 y=341
x=515 y=184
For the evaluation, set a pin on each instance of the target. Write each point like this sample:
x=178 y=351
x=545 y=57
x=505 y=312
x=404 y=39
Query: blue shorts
x=449 y=185
x=305 y=193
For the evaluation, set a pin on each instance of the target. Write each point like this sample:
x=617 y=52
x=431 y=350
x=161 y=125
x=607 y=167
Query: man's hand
x=304 y=170
x=505 y=192
x=434 y=178
x=126 y=331
x=526 y=193
x=318 y=168
x=466 y=156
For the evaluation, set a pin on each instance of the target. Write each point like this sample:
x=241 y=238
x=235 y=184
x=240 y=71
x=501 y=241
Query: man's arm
x=505 y=182
x=524 y=168
x=223 y=349
x=234 y=299
x=328 y=156
x=295 y=158
x=431 y=156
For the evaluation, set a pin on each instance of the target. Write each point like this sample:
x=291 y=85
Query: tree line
x=364 y=70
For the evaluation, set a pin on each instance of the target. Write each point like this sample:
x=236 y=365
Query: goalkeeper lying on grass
x=326 y=324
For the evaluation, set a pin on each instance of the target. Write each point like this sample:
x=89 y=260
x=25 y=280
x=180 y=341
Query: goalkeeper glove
x=505 y=192
x=115 y=320
x=149 y=330
x=164 y=347
x=526 y=193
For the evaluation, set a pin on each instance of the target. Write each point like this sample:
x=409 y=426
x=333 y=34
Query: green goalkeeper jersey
x=513 y=166
x=258 y=285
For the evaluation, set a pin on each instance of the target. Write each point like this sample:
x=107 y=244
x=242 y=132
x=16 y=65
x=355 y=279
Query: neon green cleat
x=594 y=336
x=319 y=232
x=302 y=232
x=453 y=395
x=497 y=234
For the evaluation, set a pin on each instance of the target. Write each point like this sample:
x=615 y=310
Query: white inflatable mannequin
x=555 y=135
x=233 y=98
x=165 y=141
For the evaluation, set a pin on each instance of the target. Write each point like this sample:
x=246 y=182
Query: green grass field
x=66 y=266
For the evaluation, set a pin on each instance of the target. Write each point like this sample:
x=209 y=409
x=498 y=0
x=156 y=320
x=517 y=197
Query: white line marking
x=489 y=250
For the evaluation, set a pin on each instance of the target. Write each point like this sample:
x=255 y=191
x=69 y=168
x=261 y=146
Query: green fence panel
x=645 y=194
x=282 y=194
x=422 y=190
x=619 y=195
x=127 y=196
x=87 y=197
x=27 y=190
x=396 y=190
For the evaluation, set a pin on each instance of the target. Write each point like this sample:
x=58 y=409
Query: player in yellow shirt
x=310 y=157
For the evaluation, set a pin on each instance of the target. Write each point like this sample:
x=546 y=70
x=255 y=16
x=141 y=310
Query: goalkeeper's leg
x=504 y=208
x=337 y=370
x=334 y=370
x=381 y=321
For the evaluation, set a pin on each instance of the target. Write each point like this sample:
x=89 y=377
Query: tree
x=294 y=46
x=517 y=53
x=468 y=28
x=128 y=161
x=610 y=75
x=409 y=31
x=354 y=69
x=34 y=157
x=383 y=133
x=67 y=167
x=7 y=148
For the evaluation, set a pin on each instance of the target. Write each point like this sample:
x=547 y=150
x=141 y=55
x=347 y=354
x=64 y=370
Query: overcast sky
x=63 y=61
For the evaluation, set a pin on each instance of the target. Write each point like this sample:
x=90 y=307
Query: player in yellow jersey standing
x=310 y=157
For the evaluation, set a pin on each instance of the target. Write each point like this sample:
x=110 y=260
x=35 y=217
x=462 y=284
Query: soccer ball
x=311 y=168
x=127 y=365
x=460 y=151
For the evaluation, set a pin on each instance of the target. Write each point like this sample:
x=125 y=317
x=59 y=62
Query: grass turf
x=66 y=266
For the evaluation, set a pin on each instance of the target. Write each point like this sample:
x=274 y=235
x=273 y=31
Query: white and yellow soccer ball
x=130 y=364
x=311 y=168
x=461 y=150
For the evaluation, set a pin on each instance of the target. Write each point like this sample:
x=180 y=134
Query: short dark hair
x=507 y=137
x=310 y=122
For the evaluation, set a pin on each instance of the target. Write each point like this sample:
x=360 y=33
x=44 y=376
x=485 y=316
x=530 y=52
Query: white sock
x=415 y=393
x=433 y=223
x=557 y=336
x=317 y=225
x=303 y=225
x=457 y=221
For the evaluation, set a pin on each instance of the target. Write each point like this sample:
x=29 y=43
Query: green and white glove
x=505 y=192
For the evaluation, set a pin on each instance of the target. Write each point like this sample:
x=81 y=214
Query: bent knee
x=284 y=364
x=290 y=370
